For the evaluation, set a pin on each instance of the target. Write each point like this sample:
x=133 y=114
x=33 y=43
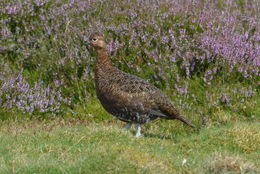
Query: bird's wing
x=134 y=92
x=158 y=113
x=133 y=85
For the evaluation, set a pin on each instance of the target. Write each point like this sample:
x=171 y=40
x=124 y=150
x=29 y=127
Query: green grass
x=81 y=146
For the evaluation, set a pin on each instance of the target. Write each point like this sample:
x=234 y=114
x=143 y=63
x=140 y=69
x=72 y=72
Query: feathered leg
x=138 y=130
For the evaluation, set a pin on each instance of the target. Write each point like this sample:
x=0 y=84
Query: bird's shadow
x=150 y=135
x=170 y=137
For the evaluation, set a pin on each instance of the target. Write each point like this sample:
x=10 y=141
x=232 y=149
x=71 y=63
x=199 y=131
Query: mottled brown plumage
x=128 y=97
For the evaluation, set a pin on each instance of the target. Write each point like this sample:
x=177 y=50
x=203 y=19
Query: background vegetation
x=205 y=55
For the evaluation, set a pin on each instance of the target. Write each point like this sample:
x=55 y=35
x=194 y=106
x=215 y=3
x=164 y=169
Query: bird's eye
x=94 y=39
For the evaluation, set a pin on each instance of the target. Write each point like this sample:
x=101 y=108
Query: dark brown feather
x=128 y=97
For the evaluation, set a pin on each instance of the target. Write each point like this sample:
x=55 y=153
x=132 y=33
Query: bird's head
x=97 y=41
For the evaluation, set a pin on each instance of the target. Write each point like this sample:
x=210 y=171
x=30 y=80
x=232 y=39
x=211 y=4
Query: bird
x=129 y=98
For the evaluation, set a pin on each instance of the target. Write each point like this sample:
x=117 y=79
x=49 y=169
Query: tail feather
x=185 y=121
x=172 y=113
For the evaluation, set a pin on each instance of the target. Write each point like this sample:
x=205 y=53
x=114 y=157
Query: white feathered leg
x=138 y=130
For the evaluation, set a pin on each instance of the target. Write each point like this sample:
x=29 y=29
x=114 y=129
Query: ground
x=80 y=146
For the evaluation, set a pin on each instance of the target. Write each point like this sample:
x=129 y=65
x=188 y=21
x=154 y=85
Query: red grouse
x=128 y=97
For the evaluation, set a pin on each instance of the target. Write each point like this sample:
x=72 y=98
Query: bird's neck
x=103 y=59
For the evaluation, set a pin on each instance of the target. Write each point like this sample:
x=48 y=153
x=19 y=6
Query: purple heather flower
x=173 y=59
x=224 y=98
x=12 y=9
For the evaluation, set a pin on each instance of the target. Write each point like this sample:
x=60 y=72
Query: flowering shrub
x=172 y=43
x=15 y=92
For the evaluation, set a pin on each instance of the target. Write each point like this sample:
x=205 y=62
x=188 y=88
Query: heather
x=47 y=66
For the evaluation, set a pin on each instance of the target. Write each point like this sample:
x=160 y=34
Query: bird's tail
x=172 y=113
x=185 y=121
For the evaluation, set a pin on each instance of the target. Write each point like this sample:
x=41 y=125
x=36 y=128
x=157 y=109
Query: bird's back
x=125 y=96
